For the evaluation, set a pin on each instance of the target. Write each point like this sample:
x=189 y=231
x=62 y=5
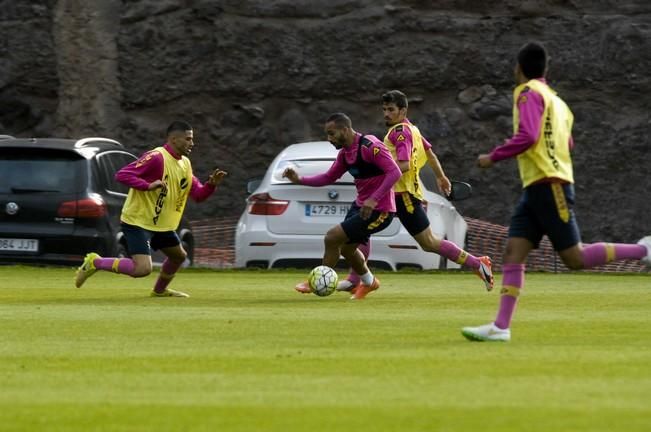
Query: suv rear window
x=41 y=170
x=307 y=168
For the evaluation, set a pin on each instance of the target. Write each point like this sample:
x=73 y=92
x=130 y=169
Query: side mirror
x=460 y=191
x=252 y=185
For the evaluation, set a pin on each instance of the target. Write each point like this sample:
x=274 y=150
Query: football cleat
x=303 y=288
x=169 y=293
x=86 y=269
x=646 y=242
x=485 y=272
x=486 y=333
x=361 y=290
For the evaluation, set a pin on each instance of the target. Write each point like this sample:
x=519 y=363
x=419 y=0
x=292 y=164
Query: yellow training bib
x=410 y=180
x=550 y=155
x=161 y=209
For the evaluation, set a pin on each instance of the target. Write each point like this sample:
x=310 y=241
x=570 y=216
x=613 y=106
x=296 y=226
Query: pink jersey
x=378 y=187
x=531 y=111
x=403 y=142
x=149 y=168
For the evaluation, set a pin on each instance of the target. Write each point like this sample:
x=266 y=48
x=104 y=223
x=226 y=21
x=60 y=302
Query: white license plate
x=335 y=210
x=18 y=245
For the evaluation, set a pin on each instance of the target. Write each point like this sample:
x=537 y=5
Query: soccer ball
x=323 y=280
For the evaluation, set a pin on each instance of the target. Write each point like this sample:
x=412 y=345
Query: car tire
x=187 y=242
x=121 y=250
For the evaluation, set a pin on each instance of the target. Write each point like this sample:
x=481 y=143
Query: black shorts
x=411 y=213
x=547 y=208
x=359 y=230
x=140 y=241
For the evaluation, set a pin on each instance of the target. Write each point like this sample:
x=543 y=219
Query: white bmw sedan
x=283 y=224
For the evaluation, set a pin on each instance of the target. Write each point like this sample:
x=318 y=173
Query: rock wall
x=255 y=75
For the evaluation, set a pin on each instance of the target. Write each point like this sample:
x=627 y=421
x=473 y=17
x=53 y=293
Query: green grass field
x=246 y=353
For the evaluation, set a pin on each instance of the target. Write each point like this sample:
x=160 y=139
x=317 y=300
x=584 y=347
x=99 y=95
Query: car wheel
x=188 y=245
x=121 y=250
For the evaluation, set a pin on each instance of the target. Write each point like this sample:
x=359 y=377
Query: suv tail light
x=91 y=207
x=263 y=204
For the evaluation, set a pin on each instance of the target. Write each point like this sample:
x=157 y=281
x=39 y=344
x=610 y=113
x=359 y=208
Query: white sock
x=367 y=278
x=344 y=285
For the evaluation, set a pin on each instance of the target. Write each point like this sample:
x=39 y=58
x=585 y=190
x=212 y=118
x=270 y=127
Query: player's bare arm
x=367 y=208
x=156 y=184
x=291 y=175
x=216 y=177
x=444 y=185
x=484 y=161
x=442 y=180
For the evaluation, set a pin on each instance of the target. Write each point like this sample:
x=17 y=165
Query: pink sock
x=454 y=253
x=512 y=283
x=167 y=272
x=601 y=253
x=117 y=265
x=365 y=249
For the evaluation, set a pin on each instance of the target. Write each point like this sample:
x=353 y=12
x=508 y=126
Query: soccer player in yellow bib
x=160 y=182
x=412 y=151
x=542 y=143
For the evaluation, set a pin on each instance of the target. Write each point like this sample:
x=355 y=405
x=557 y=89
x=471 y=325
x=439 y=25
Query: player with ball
x=367 y=159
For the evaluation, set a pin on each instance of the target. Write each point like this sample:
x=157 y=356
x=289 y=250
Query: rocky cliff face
x=254 y=75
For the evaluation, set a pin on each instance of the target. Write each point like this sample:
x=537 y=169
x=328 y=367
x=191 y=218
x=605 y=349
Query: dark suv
x=59 y=200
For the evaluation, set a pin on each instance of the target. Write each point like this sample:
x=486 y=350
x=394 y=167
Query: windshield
x=22 y=173
x=307 y=168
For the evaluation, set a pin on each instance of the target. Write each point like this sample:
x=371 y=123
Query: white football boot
x=646 y=242
x=486 y=333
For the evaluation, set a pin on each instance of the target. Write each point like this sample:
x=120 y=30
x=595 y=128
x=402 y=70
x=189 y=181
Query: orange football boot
x=361 y=290
x=303 y=288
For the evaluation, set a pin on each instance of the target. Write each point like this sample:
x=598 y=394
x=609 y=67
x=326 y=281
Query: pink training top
x=149 y=168
x=530 y=111
x=379 y=187
x=403 y=142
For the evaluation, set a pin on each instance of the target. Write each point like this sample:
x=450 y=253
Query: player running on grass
x=375 y=172
x=542 y=143
x=411 y=151
x=160 y=181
